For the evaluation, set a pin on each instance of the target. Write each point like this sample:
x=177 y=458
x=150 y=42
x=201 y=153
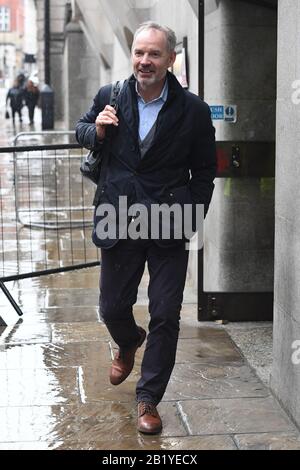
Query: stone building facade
x=11 y=39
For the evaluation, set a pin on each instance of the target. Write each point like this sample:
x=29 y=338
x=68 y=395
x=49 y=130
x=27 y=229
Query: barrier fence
x=45 y=213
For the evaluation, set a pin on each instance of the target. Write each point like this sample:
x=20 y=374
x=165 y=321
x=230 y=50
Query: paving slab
x=54 y=355
x=37 y=387
x=237 y=415
x=79 y=332
x=268 y=441
x=60 y=315
x=23 y=333
x=200 y=381
x=212 y=345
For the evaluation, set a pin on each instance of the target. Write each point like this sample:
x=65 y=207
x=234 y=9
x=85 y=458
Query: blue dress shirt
x=149 y=111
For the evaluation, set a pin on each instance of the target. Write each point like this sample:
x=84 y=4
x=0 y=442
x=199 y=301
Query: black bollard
x=47 y=106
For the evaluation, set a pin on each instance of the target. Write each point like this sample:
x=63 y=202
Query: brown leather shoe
x=123 y=362
x=149 y=421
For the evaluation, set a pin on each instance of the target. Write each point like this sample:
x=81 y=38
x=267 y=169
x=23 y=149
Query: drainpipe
x=201 y=49
x=47 y=94
x=47 y=42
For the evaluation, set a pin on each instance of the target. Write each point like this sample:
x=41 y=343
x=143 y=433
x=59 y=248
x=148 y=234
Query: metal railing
x=45 y=213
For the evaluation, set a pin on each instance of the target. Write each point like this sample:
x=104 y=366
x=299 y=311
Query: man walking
x=15 y=96
x=31 y=95
x=162 y=149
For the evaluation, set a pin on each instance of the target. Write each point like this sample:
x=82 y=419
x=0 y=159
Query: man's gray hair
x=170 y=35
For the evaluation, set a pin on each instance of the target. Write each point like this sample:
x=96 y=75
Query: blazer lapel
x=129 y=109
x=168 y=118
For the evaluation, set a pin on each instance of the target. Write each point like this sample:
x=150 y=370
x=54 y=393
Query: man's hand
x=107 y=117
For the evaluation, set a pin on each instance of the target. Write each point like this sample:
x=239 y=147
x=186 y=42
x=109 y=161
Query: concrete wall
x=121 y=68
x=81 y=74
x=240 y=69
x=40 y=39
x=285 y=379
x=57 y=25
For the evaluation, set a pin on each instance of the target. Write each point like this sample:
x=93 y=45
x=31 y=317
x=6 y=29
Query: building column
x=240 y=69
x=81 y=74
x=285 y=377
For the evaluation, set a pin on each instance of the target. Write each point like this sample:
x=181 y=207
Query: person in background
x=31 y=95
x=15 y=97
x=21 y=78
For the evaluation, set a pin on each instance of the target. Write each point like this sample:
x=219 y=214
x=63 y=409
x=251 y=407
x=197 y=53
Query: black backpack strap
x=105 y=96
x=109 y=94
x=113 y=93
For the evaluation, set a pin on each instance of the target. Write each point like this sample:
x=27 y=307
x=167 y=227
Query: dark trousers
x=14 y=112
x=122 y=268
x=31 y=109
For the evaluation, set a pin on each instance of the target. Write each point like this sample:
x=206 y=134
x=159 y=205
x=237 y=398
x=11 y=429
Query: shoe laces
x=147 y=409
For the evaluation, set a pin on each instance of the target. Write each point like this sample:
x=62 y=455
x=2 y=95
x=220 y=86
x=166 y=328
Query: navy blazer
x=180 y=165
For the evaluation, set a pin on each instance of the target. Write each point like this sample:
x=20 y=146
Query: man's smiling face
x=151 y=57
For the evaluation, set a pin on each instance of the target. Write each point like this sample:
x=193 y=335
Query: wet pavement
x=55 y=392
x=54 y=363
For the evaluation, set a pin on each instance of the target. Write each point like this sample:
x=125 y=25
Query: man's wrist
x=100 y=131
x=98 y=141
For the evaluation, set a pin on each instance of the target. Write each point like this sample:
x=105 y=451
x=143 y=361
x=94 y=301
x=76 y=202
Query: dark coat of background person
x=15 y=96
x=31 y=96
x=180 y=165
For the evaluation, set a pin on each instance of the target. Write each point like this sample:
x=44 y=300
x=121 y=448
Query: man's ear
x=172 y=58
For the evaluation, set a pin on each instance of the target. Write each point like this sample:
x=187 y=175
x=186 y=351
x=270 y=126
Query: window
x=4 y=19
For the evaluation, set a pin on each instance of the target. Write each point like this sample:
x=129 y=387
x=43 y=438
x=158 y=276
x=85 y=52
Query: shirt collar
x=163 y=96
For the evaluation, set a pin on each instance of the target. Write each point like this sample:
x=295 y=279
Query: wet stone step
x=199 y=381
x=210 y=346
x=268 y=441
x=232 y=416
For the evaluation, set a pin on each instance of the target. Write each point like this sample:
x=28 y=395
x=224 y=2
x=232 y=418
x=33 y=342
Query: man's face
x=151 y=57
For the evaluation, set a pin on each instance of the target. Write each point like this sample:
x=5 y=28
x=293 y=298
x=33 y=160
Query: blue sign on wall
x=226 y=113
x=217 y=112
